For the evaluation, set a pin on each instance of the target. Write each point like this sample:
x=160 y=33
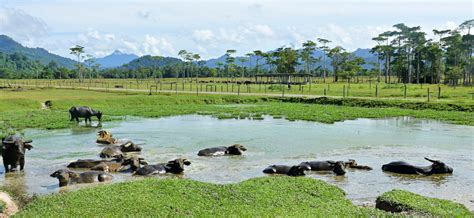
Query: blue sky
x=211 y=27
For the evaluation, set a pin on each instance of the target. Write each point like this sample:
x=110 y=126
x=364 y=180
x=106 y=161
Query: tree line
x=404 y=55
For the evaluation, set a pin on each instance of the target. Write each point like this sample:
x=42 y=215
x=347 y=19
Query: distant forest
x=403 y=55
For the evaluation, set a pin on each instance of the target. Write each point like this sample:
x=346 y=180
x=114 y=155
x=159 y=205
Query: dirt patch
x=10 y=206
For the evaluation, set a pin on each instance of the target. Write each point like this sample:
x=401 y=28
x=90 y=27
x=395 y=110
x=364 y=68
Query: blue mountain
x=116 y=59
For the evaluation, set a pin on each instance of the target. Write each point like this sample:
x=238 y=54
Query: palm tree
x=78 y=51
x=325 y=50
x=307 y=54
x=230 y=61
x=259 y=55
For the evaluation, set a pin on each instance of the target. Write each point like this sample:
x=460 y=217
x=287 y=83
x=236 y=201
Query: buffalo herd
x=120 y=155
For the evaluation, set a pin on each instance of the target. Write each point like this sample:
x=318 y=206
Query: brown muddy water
x=269 y=141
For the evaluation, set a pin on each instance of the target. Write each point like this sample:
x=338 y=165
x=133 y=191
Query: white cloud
x=101 y=44
x=22 y=26
x=157 y=46
x=203 y=35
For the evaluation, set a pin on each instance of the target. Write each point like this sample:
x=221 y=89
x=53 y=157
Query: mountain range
x=132 y=61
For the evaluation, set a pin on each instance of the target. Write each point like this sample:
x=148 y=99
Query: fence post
x=324 y=91
x=376 y=90
x=344 y=91
x=428 y=94
x=238 y=89
x=405 y=91
x=439 y=92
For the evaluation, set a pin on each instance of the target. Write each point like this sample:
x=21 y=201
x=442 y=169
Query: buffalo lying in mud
x=84 y=112
x=338 y=167
x=236 y=149
x=13 y=152
x=115 y=165
x=297 y=170
x=437 y=167
x=115 y=151
x=67 y=177
x=174 y=166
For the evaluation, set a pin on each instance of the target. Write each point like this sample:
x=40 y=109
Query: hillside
x=10 y=46
x=151 y=62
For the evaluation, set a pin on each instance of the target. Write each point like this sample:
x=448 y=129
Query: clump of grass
x=405 y=201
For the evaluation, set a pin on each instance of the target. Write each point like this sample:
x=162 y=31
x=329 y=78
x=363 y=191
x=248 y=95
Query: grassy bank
x=274 y=196
x=22 y=109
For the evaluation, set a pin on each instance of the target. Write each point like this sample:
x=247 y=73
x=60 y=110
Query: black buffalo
x=174 y=166
x=114 y=165
x=84 y=112
x=67 y=177
x=13 y=152
x=236 y=149
x=115 y=151
x=338 y=167
x=437 y=167
x=297 y=170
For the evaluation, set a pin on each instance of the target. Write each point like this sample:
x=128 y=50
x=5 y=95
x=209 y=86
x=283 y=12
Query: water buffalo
x=13 y=152
x=354 y=165
x=174 y=166
x=85 y=112
x=236 y=149
x=338 y=167
x=114 y=165
x=105 y=137
x=296 y=170
x=67 y=177
x=115 y=151
x=402 y=167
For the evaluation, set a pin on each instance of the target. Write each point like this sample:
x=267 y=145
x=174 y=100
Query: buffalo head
x=235 y=149
x=338 y=167
x=64 y=176
x=439 y=167
x=177 y=165
x=298 y=170
x=16 y=144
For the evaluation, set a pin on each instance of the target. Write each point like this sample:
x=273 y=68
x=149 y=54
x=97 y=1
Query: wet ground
x=269 y=141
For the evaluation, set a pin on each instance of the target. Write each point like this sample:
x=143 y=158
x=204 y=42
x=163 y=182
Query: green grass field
x=414 y=92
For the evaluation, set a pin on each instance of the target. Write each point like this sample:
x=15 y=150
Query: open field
x=371 y=90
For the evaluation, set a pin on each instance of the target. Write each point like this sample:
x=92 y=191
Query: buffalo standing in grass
x=84 y=112
x=13 y=152
x=437 y=167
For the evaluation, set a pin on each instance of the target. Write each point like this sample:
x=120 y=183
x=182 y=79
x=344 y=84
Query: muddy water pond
x=269 y=141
